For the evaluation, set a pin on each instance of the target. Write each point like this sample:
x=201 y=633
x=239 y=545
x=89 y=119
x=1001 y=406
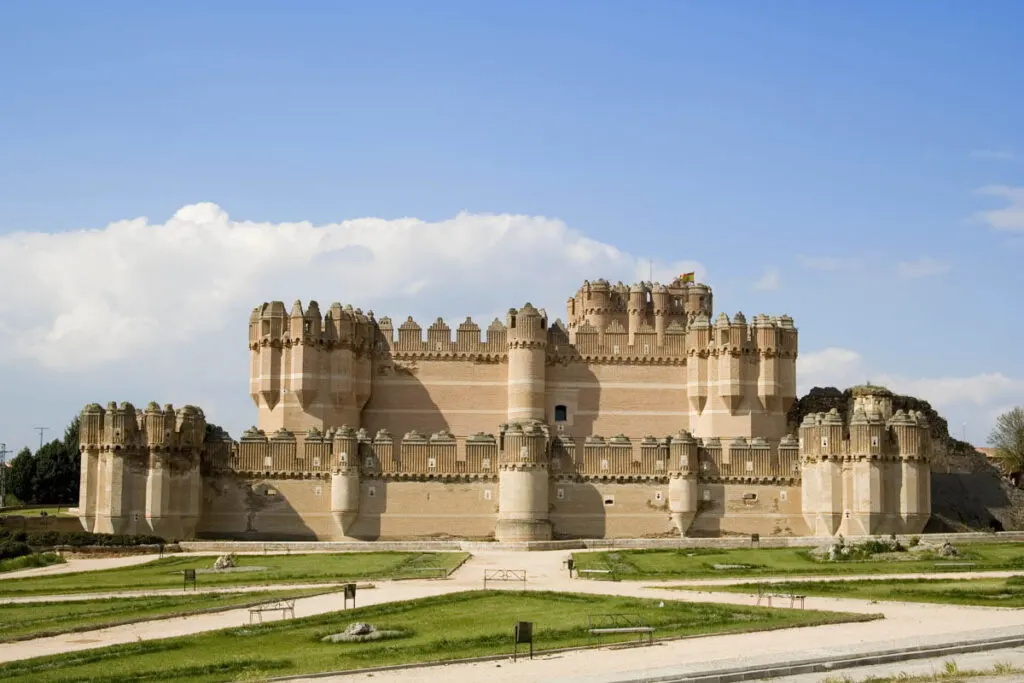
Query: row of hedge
x=19 y=543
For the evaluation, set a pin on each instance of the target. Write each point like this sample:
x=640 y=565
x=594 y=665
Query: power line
x=41 y=430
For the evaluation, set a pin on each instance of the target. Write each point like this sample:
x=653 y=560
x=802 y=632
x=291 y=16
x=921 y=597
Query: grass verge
x=253 y=570
x=448 y=627
x=992 y=592
x=21 y=621
x=29 y=562
x=51 y=511
x=708 y=563
x=950 y=672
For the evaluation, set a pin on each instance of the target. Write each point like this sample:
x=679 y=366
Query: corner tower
x=310 y=370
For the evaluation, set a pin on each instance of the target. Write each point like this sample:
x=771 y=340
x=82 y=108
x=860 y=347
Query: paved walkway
x=546 y=572
x=80 y=565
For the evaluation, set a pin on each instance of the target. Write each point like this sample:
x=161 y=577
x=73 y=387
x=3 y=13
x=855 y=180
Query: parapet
x=122 y=426
x=869 y=433
x=340 y=327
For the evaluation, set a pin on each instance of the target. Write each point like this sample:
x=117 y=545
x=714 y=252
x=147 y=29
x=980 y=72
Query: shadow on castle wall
x=581 y=510
x=254 y=509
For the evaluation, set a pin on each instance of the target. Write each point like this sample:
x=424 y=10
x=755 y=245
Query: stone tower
x=523 y=461
x=868 y=475
x=309 y=370
x=140 y=469
x=345 y=479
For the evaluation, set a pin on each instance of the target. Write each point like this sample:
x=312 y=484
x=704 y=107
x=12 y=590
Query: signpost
x=523 y=636
x=350 y=593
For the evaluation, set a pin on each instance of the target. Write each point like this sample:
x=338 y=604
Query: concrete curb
x=710 y=672
x=828 y=664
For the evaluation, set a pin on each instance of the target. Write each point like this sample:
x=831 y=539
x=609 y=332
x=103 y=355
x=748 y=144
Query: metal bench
x=285 y=607
x=765 y=594
x=606 y=624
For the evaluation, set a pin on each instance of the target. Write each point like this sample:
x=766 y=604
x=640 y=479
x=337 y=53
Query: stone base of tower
x=682 y=521
x=914 y=524
x=519 y=530
x=343 y=522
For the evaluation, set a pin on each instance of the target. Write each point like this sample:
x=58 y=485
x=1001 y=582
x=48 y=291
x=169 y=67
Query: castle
x=642 y=415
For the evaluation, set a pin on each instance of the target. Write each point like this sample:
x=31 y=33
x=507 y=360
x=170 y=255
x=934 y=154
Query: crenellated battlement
x=122 y=426
x=903 y=436
x=867 y=472
x=443 y=455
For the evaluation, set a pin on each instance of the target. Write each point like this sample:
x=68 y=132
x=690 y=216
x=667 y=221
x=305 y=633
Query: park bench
x=504 y=575
x=285 y=607
x=606 y=624
x=440 y=572
x=764 y=593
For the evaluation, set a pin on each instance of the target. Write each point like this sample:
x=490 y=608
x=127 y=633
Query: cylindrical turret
x=599 y=306
x=527 y=348
x=682 y=480
x=523 y=485
x=661 y=301
x=345 y=480
x=636 y=310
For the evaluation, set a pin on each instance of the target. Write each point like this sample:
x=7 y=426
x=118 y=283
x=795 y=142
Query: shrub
x=78 y=539
x=11 y=549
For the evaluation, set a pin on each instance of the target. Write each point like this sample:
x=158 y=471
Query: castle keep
x=642 y=414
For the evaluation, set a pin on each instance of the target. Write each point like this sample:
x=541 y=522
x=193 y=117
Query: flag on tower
x=686 y=277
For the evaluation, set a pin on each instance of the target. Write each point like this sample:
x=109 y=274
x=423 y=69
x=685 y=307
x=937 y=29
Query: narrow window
x=561 y=413
x=513 y=325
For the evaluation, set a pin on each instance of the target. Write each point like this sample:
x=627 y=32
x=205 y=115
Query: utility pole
x=3 y=473
x=41 y=430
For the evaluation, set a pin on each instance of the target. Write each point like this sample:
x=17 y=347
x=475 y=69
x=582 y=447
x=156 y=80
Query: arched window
x=561 y=414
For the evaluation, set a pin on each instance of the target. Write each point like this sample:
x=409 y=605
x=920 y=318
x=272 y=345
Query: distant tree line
x=51 y=475
x=48 y=476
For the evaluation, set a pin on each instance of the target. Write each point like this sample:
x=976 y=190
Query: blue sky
x=857 y=165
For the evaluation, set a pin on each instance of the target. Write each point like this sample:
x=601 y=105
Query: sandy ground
x=545 y=571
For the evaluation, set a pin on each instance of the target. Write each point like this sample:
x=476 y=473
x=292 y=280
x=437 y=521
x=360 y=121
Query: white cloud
x=1010 y=218
x=993 y=154
x=974 y=400
x=770 y=281
x=136 y=289
x=925 y=266
x=828 y=263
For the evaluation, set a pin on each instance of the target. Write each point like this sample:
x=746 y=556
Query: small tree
x=20 y=476
x=1008 y=441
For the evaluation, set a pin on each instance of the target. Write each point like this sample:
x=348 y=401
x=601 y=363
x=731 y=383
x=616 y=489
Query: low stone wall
x=582 y=544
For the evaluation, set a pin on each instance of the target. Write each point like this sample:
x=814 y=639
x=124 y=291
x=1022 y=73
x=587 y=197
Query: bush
x=78 y=539
x=11 y=549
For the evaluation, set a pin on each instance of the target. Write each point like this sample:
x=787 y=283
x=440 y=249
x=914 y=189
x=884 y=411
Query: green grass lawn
x=994 y=592
x=51 y=511
x=272 y=569
x=29 y=562
x=708 y=563
x=454 y=626
x=37 y=619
